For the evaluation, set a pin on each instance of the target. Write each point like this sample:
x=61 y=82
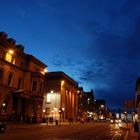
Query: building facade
x=61 y=97
x=137 y=102
x=21 y=83
x=101 y=109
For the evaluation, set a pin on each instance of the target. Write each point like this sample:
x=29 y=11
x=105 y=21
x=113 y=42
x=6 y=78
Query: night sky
x=95 y=42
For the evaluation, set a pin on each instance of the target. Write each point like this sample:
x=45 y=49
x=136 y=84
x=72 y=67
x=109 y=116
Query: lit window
x=48 y=97
x=8 y=57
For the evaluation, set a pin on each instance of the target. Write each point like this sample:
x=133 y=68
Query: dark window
x=1 y=74
x=20 y=83
x=34 y=86
x=10 y=77
x=22 y=65
x=2 y=55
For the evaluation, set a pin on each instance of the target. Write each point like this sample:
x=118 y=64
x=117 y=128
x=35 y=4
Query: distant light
x=78 y=91
x=52 y=91
x=63 y=108
x=102 y=106
x=3 y=104
x=44 y=110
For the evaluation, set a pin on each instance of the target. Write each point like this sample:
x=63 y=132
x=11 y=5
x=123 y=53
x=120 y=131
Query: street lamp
x=60 y=111
x=11 y=51
x=126 y=113
x=62 y=82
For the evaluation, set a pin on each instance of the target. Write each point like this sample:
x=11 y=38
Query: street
x=76 y=131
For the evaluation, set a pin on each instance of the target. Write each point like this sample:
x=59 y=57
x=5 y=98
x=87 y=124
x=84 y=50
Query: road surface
x=76 y=131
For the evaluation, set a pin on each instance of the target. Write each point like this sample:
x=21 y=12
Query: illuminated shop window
x=49 y=97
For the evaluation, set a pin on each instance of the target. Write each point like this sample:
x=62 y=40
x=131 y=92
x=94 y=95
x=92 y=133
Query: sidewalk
x=133 y=135
x=130 y=135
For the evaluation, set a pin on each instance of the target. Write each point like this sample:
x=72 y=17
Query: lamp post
x=125 y=112
x=60 y=112
x=63 y=109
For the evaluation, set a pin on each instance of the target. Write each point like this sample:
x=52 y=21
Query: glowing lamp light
x=3 y=104
x=11 y=51
x=78 y=91
x=62 y=83
x=45 y=70
x=63 y=108
x=52 y=91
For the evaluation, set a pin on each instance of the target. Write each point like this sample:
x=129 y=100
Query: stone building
x=21 y=83
x=61 y=97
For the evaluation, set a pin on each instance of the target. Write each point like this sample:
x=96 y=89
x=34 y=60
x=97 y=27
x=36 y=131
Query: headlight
x=120 y=120
x=120 y=124
x=111 y=121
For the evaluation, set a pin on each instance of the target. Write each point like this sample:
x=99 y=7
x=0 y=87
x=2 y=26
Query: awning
x=22 y=93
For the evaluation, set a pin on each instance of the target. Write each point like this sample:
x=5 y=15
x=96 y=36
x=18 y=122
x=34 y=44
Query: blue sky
x=96 y=42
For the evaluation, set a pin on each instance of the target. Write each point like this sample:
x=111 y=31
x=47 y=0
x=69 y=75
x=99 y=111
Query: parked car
x=2 y=127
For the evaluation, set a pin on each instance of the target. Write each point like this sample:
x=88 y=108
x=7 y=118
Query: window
x=13 y=61
x=41 y=87
x=47 y=111
x=22 y=65
x=20 y=83
x=10 y=77
x=1 y=74
x=2 y=55
x=48 y=97
x=34 y=86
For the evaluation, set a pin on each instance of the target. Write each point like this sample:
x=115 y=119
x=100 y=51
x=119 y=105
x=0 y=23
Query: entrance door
x=23 y=110
x=15 y=108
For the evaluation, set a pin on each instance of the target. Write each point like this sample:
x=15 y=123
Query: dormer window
x=9 y=56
